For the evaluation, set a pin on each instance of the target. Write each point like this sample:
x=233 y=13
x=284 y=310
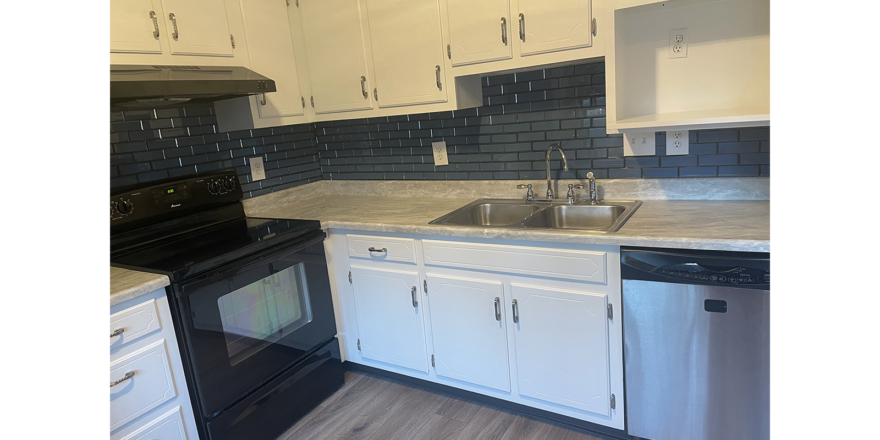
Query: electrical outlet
x=678 y=43
x=639 y=143
x=258 y=172
x=440 y=157
x=677 y=142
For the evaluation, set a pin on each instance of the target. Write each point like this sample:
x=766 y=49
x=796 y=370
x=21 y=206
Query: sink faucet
x=564 y=168
x=594 y=198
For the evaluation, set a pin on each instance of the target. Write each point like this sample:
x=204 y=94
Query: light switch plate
x=440 y=157
x=677 y=142
x=257 y=170
x=639 y=143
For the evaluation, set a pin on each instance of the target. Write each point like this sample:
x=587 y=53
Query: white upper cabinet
x=335 y=50
x=478 y=31
x=468 y=328
x=553 y=25
x=135 y=26
x=271 y=54
x=562 y=347
x=408 y=51
x=197 y=27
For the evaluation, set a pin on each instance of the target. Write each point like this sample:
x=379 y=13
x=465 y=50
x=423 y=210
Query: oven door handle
x=261 y=258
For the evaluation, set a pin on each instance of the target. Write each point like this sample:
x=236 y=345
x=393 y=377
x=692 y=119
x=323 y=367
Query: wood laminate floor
x=372 y=407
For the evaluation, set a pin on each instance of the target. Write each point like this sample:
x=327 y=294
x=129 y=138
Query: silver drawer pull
x=504 y=30
x=117 y=332
x=515 y=312
x=174 y=22
x=155 y=24
x=497 y=309
x=439 y=84
x=364 y=87
x=128 y=376
x=372 y=249
x=415 y=300
x=522 y=27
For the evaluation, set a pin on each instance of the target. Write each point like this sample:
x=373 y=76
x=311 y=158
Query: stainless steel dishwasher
x=696 y=344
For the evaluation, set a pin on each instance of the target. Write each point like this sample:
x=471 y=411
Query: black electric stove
x=250 y=299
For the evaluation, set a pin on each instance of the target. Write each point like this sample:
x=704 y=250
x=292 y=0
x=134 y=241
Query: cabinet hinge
x=449 y=51
x=425 y=285
x=359 y=349
x=349 y=277
x=432 y=361
x=375 y=94
x=303 y=101
x=312 y=98
x=232 y=40
x=613 y=402
x=610 y=312
x=594 y=27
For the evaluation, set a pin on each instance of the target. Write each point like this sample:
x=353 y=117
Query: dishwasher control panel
x=693 y=267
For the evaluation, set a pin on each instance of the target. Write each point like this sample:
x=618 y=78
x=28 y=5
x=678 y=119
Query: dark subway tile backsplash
x=507 y=138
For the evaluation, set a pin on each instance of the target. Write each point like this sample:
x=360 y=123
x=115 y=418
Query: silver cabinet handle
x=515 y=312
x=364 y=87
x=174 y=22
x=522 y=27
x=439 y=84
x=504 y=30
x=372 y=249
x=262 y=99
x=594 y=27
x=155 y=24
x=497 y=309
x=415 y=300
x=117 y=332
x=128 y=376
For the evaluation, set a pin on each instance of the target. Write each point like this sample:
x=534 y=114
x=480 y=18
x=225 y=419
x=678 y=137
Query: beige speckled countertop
x=731 y=225
x=127 y=284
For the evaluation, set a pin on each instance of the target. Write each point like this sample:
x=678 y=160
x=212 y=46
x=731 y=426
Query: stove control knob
x=213 y=187
x=124 y=207
x=229 y=184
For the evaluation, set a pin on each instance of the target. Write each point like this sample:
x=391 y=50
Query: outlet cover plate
x=440 y=157
x=258 y=172
x=639 y=143
x=677 y=142
x=678 y=43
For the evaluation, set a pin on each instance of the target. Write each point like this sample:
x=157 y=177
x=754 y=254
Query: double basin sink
x=607 y=216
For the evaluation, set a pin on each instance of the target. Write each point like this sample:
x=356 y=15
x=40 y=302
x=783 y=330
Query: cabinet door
x=561 y=341
x=408 y=51
x=198 y=27
x=390 y=321
x=271 y=54
x=552 y=25
x=336 y=55
x=478 y=31
x=135 y=26
x=470 y=339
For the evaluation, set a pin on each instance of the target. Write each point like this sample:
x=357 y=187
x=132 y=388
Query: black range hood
x=165 y=86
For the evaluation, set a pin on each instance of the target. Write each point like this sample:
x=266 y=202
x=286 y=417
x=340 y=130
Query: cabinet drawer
x=134 y=323
x=557 y=263
x=168 y=426
x=402 y=250
x=149 y=384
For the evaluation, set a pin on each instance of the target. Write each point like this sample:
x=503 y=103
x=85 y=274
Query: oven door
x=253 y=319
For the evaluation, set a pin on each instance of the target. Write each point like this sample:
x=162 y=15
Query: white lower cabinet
x=390 y=317
x=562 y=346
x=449 y=317
x=468 y=329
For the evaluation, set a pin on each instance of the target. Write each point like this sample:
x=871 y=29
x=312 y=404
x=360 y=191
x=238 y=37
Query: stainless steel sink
x=491 y=214
x=607 y=216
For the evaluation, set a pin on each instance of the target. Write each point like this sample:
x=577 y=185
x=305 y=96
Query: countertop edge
x=129 y=284
x=558 y=236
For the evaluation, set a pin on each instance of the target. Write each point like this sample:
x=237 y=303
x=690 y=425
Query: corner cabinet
x=530 y=323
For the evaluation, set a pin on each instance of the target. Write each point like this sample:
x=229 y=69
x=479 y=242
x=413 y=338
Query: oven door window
x=261 y=313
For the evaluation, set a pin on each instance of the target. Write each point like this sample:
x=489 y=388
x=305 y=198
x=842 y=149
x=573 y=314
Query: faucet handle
x=571 y=188
x=529 y=195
